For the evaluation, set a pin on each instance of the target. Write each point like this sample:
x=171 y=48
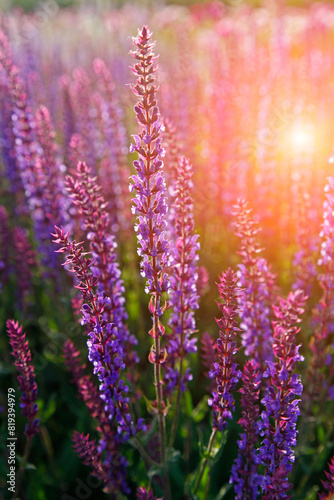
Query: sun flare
x=300 y=138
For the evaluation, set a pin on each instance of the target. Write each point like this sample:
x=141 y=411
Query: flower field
x=167 y=252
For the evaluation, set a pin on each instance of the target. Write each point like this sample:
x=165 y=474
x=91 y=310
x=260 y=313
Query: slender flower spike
x=112 y=462
x=245 y=468
x=150 y=201
x=329 y=484
x=225 y=371
x=105 y=350
x=143 y=494
x=150 y=207
x=85 y=193
x=26 y=379
x=278 y=426
x=258 y=281
x=319 y=377
x=183 y=296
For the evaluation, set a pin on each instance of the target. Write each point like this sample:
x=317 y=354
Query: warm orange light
x=300 y=138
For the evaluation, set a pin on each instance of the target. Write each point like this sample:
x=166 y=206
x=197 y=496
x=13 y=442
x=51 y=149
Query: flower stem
x=206 y=460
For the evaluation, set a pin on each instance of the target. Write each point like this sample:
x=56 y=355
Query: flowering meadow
x=167 y=252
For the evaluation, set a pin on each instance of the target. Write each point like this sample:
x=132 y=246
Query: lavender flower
x=258 y=281
x=150 y=207
x=143 y=494
x=318 y=388
x=36 y=162
x=111 y=462
x=278 y=426
x=183 y=296
x=114 y=140
x=5 y=240
x=25 y=263
x=208 y=351
x=86 y=196
x=244 y=473
x=225 y=371
x=304 y=262
x=329 y=484
x=87 y=450
x=26 y=379
x=105 y=350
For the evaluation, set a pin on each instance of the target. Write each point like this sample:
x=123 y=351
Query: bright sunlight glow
x=300 y=138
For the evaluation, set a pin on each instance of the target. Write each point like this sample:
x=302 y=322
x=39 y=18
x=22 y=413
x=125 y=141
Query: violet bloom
x=318 y=373
x=304 y=265
x=278 y=426
x=87 y=450
x=37 y=165
x=143 y=494
x=329 y=484
x=113 y=151
x=258 y=281
x=5 y=245
x=111 y=465
x=183 y=296
x=26 y=377
x=150 y=207
x=244 y=472
x=225 y=371
x=85 y=193
x=105 y=350
x=25 y=263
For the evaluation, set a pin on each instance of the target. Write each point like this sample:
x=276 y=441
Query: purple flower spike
x=113 y=463
x=85 y=193
x=150 y=208
x=143 y=494
x=87 y=450
x=258 y=281
x=278 y=426
x=183 y=295
x=105 y=350
x=329 y=484
x=320 y=374
x=244 y=470
x=225 y=371
x=150 y=201
x=26 y=379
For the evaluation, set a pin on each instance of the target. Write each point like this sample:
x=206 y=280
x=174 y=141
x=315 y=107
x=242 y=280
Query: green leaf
x=188 y=403
x=223 y=490
x=200 y=411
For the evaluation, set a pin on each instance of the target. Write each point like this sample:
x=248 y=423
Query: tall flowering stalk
x=225 y=371
x=105 y=349
x=150 y=208
x=28 y=387
x=114 y=140
x=111 y=469
x=244 y=473
x=36 y=162
x=258 y=281
x=85 y=193
x=318 y=387
x=329 y=484
x=278 y=426
x=304 y=265
x=183 y=297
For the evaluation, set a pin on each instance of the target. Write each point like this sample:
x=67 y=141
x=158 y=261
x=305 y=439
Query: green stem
x=206 y=460
x=177 y=412
x=144 y=453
